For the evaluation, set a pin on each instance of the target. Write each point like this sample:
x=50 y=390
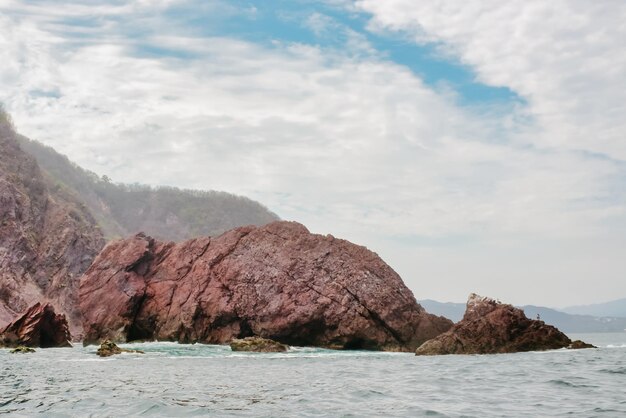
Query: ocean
x=207 y=380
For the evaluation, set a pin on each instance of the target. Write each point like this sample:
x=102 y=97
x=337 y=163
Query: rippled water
x=193 y=380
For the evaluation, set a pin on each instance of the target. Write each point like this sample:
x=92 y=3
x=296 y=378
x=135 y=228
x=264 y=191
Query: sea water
x=207 y=380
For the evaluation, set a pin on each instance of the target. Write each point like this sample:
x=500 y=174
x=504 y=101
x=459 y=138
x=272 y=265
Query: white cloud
x=342 y=141
x=564 y=57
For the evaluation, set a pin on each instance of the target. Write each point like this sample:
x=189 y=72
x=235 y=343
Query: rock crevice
x=40 y=326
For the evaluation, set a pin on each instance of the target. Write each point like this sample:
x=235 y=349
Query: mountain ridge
x=166 y=213
x=615 y=308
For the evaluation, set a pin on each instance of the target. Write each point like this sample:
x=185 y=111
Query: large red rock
x=489 y=326
x=47 y=238
x=278 y=281
x=40 y=326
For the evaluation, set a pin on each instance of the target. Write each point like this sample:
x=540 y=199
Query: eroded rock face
x=278 y=281
x=40 y=326
x=259 y=345
x=489 y=326
x=47 y=239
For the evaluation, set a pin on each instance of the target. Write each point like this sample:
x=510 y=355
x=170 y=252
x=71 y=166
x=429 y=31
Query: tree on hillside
x=5 y=119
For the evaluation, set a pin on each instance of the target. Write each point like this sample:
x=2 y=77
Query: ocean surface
x=206 y=380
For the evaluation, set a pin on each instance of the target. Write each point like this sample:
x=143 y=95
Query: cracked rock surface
x=277 y=281
x=47 y=238
x=490 y=327
x=40 y=326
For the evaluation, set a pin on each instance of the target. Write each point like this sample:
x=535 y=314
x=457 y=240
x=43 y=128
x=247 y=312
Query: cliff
x=47 y=238
x=278 y=281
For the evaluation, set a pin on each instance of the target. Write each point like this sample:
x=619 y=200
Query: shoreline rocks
x=20 y=349
x=578 y=344
x=40 y=326
x=278 y=281
x=490 y=327
x=258 y=345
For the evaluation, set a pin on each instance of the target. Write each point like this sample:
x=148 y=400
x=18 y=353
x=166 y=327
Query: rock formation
x=47 y=239
x=278 y=281
x=40 y=326
x=578 y=344
x=259 y=345
x=109 y=348
x=489 y=326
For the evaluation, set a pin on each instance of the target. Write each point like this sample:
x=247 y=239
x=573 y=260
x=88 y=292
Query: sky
x=476 y=146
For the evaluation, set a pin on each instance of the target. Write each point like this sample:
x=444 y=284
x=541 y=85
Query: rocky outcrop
x=20 y=349
x=40 y=326
x=578 y=344
x=259 y=345
x=47 y=238
x=109 y=348
x=489 y=326
x=278 y=281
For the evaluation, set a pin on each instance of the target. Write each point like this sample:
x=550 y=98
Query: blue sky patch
x=290 y=21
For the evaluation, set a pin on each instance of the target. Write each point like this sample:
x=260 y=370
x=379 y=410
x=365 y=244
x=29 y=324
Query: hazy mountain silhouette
x=167 y=213
x=612 y=308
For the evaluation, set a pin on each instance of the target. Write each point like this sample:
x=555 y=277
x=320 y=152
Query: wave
x=561 y=382
x=621 y=370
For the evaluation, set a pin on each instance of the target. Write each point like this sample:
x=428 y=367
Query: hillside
x=48 y=238
x=564 y=321
x=166 y=213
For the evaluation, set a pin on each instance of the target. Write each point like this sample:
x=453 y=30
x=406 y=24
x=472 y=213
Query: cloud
x=340 y=138
x=564 y=57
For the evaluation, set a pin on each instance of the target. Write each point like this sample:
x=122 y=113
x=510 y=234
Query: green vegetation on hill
x=167 y=213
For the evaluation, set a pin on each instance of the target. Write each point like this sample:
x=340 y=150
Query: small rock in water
x=578 y=344
x=22 y=349
x=258 y=344
x=109 y=348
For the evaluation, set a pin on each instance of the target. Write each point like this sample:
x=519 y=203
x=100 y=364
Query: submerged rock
x=40 y=326
x=578 y=344
x=278 y=281
x=109 y=348
x=257 y=344
x=489 y=326
x=22 y=349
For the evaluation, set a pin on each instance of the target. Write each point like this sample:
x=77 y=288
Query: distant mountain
x=576 y=323
x=451 y=310
x=165 y=213
x=564 y=321
x=613 y=308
